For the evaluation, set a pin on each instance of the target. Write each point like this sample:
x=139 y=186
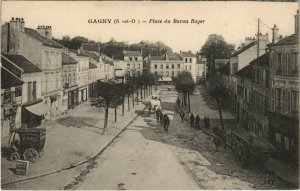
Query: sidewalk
x=72 y=139
x=198 y=106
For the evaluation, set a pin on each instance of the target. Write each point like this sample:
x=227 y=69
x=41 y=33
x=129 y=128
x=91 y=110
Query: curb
x=76 y=164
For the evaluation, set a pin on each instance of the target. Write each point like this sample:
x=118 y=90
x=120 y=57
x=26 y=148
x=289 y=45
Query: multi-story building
x=166 y=66
x=201 y=69
x=82 y=73
x=134 y=62
x=284 y=115
x=33 y=109
x=253 y=95
x=11 y=100
x=108 y=64
x=39 y=48
x=92 y=76
x=190 y=61
x=69 y=82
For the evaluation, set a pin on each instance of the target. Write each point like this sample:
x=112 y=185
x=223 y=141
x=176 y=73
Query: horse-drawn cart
x=30 y=144
x=248 y=146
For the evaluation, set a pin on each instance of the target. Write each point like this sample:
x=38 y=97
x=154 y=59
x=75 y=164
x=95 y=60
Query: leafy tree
x=108 y=95
x=217 y=90
x=185 y=84
x=215 y=47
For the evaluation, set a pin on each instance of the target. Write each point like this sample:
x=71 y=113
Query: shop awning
x=38 y=109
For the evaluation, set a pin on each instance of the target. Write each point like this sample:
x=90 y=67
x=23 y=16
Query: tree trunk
x=220 y=113
x=128 y=102
x=123 y=100
x=137 y=96
x=115 y=113
x=182 y=99
x=185 y=101
x=142 y=93
x=106 y=117
x=189 y=102
x=133 y=100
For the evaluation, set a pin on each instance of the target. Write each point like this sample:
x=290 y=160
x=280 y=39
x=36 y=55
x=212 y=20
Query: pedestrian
x=182 y=115
x=217 y=141
x=198 y=121
x=192 y=120
x=157 y=112
x=166 y=122
x=161 y=117
x=208 y=122
x=178 y=103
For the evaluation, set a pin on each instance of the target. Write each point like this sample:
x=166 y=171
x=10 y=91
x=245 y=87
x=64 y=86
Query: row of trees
x=112 y=94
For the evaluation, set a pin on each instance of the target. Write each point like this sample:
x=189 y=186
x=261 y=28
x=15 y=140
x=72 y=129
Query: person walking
x=178 y=103
x=161 y=118
x=208 y=122
x=166 y=122
x=182 y=115
x=192 y=120
x=197 y=121
x=157 y=112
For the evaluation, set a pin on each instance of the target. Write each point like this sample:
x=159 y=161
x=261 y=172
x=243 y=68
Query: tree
x=108 y=95
x=215 y=47
x=185 y=84
x=217 y=90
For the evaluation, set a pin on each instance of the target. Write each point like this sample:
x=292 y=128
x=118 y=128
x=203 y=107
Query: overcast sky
x=233 y=20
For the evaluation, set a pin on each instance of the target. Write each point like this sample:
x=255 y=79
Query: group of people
x=163 y=119
x=195 y=121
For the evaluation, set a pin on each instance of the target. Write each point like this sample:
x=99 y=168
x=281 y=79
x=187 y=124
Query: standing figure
x=208 y=122
x=198 y=121
x=192 y=120
x=182 y=115
x=205 y=122
x=178 y=103
x=166 y=122
x=161 y=117
x=157 y=112
x=218 y=142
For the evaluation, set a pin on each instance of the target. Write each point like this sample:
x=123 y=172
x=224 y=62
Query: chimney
x=41 y=30
x=248 y=40
x=275 y=36
x=14 y=29
x=297 y=23
x=48 y=32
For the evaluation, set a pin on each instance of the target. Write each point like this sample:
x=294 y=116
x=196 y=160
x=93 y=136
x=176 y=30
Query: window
x=161 y=66
x=135 y=58
x=178 y=72
x=167 y=73
x=185 y=67
x=278 y=99
x=7 y=96
x=133 y=66
x=295 y=100
x=186 y=60
x=178 y=65
x=279 y=64
x=31 y=91
x=172 y=73
x=190 y=60
x=128 y=66
x=172 y=66
x=167 y=67
x=139 y=66
x=190 y=67
x=18 y=91
x=155 y=66
x=130 y=58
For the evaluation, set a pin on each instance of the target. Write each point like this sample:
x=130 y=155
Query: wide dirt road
x=138 y=160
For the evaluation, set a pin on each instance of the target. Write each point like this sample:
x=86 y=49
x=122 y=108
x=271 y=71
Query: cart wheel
x=41 y=153
x=30 y=155
x=14 y=156
x=241 y=154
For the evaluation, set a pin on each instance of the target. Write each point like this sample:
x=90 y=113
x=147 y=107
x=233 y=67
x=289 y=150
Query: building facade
x=190 y=62
x=201 y=69
x=134 y=62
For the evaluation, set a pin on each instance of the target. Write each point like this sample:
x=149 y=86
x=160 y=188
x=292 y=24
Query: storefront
x=34 y=113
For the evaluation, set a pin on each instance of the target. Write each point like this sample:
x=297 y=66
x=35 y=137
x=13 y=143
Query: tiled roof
x=67 y=60
x=174 y=57
x=81 y=53
x=91 y=47
x=225 y=69
x=263 y=60
x=245 y=72
x=9 y=80
x=157 y=58
x=293 y=39
x=21 y=62
x=92 y=55
x=132 y=53
x=91 y=65
x=187 y=54
x=46 y=41
x=243 y=49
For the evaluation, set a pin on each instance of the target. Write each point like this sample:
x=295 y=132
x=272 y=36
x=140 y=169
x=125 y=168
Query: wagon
x=248 y=147
x=31 y=144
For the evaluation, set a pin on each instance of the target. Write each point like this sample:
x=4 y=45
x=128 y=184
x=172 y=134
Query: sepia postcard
x=149 y=95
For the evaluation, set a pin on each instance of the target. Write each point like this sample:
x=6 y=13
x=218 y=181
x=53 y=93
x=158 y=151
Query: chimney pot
x=12 y=18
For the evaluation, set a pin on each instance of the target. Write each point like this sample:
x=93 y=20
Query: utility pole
x=258 y=37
